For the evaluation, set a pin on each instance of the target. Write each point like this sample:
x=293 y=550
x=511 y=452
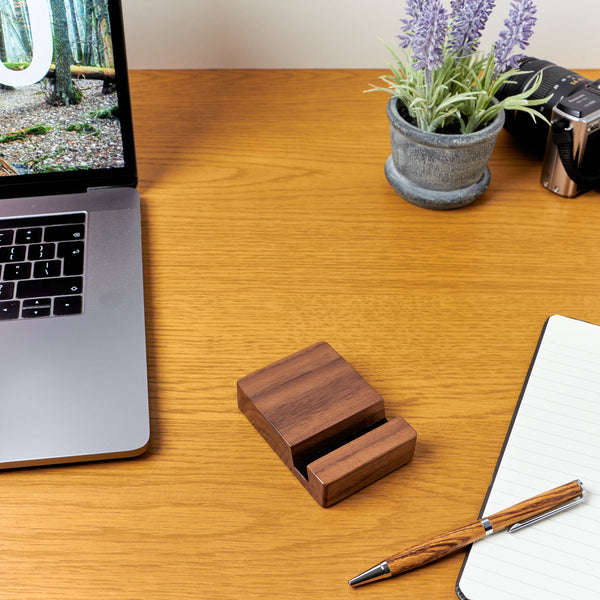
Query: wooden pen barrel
x=450 y=542
x=536 y=506
x=435 y=548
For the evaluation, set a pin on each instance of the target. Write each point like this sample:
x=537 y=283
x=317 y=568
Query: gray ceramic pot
x=436 y=170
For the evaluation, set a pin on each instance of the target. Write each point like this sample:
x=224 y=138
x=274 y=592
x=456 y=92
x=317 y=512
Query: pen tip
x=380 y=571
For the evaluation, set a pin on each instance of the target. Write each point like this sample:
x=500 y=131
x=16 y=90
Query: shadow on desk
x=170 y=134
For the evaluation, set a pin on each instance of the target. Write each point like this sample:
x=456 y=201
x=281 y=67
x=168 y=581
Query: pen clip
x=545 y=515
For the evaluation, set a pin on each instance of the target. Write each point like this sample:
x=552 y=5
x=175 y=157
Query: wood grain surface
x=269 y=226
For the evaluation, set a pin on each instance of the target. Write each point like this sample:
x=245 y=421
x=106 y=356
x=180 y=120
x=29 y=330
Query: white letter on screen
x=41 y=35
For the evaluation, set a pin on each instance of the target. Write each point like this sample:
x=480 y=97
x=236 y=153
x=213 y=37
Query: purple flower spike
x=469 y=18
x=429 y=36
x=519 y=28
x=413 y=12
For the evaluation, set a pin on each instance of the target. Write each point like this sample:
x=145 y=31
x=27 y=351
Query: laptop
x=73 y=376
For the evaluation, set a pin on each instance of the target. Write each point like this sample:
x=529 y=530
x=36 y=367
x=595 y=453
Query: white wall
x=321 y=33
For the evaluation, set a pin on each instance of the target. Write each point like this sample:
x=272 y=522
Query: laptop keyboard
x=41 y=266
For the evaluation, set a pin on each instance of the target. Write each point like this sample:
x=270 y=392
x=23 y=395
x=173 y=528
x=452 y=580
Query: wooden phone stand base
x=325 y=422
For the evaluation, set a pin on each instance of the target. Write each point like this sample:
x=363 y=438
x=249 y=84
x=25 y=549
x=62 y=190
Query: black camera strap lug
x=562 y=136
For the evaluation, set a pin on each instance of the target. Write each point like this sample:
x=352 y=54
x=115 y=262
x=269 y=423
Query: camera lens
x=557 y=82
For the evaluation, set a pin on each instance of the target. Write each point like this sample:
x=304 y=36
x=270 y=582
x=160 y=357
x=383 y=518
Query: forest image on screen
x=59 y=109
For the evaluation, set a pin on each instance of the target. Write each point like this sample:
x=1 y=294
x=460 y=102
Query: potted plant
x=444 y=118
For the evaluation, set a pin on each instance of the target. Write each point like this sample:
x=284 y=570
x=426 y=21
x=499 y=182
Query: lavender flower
x=443 y=79
x=469 y=18
x=519 y=28
x=413 y=12
x=429 y=37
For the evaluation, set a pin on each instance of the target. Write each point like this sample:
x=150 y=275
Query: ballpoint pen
x=513 y=518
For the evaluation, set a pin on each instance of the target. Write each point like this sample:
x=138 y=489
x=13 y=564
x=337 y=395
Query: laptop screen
x=64 y=102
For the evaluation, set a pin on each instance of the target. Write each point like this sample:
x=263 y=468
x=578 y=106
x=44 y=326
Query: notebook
x=73 y=378
x=554 y=438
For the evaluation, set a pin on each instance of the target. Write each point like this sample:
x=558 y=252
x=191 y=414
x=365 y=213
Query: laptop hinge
x=103 y=187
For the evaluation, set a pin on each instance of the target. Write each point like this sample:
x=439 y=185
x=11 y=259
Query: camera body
x=571 y=145
x=577 y=116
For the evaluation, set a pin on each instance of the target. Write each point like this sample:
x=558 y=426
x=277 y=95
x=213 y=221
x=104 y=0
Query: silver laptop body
x=73 y=385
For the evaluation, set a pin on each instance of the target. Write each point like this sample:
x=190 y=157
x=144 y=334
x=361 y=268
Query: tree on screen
x=15 y=36
x=3 y=56
x=22 y=25
x=64 y=90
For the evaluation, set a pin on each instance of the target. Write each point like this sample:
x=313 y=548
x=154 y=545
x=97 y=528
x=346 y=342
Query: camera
x=571 y=145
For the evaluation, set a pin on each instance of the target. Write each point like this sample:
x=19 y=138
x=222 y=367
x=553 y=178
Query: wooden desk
x=268 y=226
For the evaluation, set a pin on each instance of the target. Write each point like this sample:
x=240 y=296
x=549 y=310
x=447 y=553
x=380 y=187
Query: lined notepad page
x=555 y=438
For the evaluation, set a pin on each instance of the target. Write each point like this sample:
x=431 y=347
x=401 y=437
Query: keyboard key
x=33 y=312
x=6 y=237
x=68 y=305
x=12 y=254
x=7 y=289
x=40 y=307
x=72 y=253
x=40 y=221
x=31 y=235
x=64 y=233
x=41 y=251
x=9 y=310
x=57 y=286
x=46 y=268
x=17 y=271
